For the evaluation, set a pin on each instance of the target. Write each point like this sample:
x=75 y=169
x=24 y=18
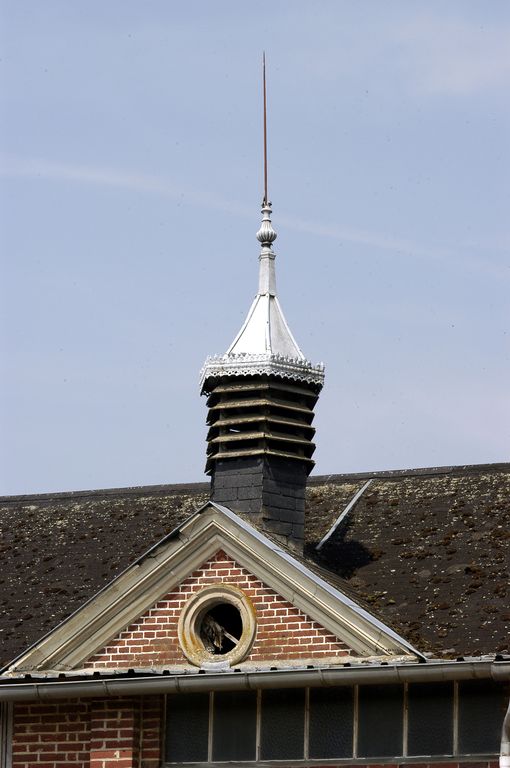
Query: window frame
x=351 y=760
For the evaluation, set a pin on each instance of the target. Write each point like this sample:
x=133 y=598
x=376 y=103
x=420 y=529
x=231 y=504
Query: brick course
x=88 y=733
x=47 y=735
x=284 y=633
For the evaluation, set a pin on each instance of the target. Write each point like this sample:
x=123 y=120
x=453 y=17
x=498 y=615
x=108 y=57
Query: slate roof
x=58 y=550
x=427 y=550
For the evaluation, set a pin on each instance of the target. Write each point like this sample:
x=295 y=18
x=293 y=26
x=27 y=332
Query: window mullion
x=355 y=722
x=211 y=720
x=455 y=718
x=258 y=728
x=405 y=721
x=307 y=724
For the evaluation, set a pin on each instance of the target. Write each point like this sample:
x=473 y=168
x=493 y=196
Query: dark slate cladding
x=270 y=493
x=426 y=550
x=259 y=450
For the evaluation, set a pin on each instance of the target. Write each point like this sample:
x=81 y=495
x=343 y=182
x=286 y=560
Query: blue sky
x=130 y=186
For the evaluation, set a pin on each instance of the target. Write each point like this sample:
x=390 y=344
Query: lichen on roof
x=429 y=554
x=427 y=551
x=57 y=551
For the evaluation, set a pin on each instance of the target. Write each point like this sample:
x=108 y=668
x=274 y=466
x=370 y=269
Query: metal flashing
x=343 y=514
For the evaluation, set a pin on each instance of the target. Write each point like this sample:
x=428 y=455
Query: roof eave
x=111 y=685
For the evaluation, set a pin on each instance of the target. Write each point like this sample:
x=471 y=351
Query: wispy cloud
x=431 y=54
x=373 y=239
x=35 y=168
x=44 y=169
x=446 y=55
x=17 y=167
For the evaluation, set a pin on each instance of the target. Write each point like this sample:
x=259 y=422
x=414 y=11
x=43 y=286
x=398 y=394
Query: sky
x=130 y=189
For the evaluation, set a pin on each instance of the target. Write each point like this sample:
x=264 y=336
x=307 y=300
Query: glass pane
x=187 y=726
x=234 y=725
x=482 y=706
x=282 y=725
x=331 y=722
x=430 y=719
x=380 y=720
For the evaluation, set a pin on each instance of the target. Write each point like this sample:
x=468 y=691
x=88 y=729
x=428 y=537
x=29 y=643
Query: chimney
x=260 y=397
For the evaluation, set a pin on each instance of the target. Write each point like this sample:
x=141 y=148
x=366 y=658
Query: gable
x=284 y=633
x=164 y=567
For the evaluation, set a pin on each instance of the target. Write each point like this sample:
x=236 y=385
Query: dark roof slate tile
x=430 y=554
x=426 y=550
x=57 y=551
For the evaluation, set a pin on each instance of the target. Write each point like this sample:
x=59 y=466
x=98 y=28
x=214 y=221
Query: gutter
x=241 y=681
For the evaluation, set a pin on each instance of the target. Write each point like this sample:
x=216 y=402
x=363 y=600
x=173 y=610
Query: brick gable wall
x=284 y=633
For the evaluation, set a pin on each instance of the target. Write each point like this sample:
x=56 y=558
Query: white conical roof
x=265 y=331
x=265 y=344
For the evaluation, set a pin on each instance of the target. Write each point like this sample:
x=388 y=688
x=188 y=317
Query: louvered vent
x=260 y=416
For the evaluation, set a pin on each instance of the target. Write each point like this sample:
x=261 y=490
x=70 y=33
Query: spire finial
x=266 y=234
x=266 y=199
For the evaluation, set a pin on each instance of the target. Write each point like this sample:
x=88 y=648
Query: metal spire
x=265 y=200
x=265 y=344
x=266 y=234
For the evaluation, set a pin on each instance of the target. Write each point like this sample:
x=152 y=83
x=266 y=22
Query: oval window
x=217 y=624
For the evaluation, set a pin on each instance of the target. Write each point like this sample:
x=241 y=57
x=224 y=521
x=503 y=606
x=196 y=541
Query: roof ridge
x=134 y=490
x=203 y=487
x=420 y=471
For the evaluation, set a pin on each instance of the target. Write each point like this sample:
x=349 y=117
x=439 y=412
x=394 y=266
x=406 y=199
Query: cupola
x=260 y=397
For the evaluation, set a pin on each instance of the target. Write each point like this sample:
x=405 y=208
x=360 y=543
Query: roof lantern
x=260 y=394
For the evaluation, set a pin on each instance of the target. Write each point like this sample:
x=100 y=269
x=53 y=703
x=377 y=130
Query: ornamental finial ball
x=266 y=234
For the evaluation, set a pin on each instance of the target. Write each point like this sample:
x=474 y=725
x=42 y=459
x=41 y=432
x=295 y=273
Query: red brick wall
x=51 y=734
x=283 y=632
x=88 y=733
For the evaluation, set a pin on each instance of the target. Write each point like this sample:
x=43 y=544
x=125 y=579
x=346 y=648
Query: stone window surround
x=194 y=610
